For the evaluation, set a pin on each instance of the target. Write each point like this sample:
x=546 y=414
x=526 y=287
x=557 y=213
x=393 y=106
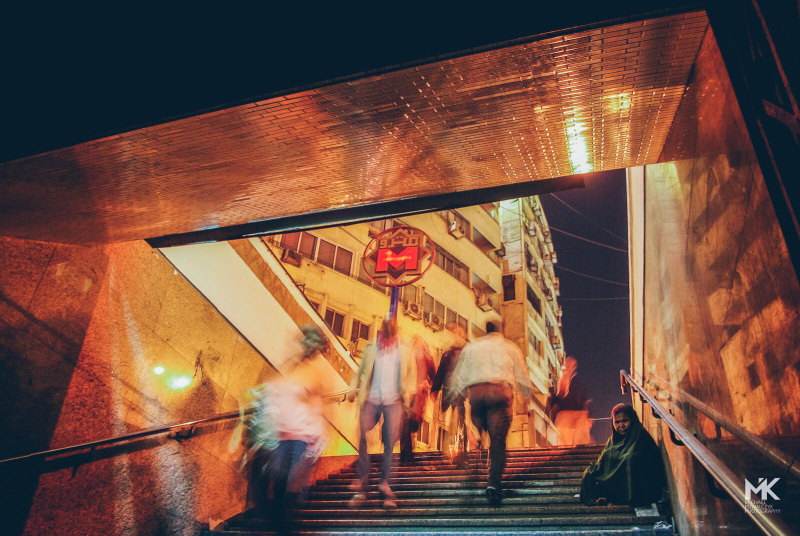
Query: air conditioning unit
x=549 y=293
x=412 y=310
x=435 y=322
x=537 y=207
x=554 y=257
x=456 y=229
x=555 y=341
x=532 y=229
x=292 y=257
x=547 y=259
x=559 y=312
x=557 y=286
x=485 y=302
x=501 y=251
x=358 y=346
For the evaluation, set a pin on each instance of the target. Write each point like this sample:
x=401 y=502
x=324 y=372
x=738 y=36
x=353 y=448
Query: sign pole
x=393 y=302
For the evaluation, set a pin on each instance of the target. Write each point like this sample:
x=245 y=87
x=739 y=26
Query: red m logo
x=408 y=259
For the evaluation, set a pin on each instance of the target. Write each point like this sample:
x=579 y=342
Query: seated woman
x=630 y=470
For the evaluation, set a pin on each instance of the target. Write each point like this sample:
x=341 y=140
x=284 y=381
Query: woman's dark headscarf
x=629 y=470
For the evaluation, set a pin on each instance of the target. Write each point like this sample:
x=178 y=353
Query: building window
x=450 y=318
x=360 y=331
x=334 y=257
x=301 y=242
x=344 y=259
x=449 y=264
x=535 y=301
x=509 y=288
x=335 y=321
x=408 y=293
x=319 y=250
x=326 y=253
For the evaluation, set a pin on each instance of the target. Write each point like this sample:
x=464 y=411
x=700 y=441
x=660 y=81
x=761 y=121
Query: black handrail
x=158 y=430
x=768 y=522
x=777 y=457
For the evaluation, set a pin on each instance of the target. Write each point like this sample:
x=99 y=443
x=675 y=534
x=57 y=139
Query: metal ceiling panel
x=591 y=100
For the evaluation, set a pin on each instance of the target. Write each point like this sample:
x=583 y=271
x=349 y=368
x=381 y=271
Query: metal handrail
x=768 y=451
x=770 y=523
x=158 y=430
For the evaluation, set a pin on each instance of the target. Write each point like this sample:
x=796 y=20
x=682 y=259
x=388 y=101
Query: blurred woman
x=570 y=408
x=426 y=369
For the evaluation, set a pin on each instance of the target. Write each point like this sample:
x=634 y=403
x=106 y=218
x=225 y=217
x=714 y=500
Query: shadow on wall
x=82 y=331
x=47 y=295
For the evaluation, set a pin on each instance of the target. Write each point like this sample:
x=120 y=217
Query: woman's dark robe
x=629 y=471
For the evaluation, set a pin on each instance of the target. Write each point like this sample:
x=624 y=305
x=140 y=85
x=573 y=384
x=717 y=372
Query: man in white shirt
x=487 y=372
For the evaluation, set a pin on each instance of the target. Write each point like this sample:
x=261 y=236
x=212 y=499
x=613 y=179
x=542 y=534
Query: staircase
x=434 y=497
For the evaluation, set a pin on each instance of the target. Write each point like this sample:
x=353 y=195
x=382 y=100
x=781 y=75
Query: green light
x=180 y=382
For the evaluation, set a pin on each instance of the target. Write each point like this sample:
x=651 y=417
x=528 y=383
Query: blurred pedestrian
x=300 y=425
x=426 y=369
x=386 y=381
x=487 y=372
x=630 y=470
x=571 y=406
x=286 y=430
x=443 y=381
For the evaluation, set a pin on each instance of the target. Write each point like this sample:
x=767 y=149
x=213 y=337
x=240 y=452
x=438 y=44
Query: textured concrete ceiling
x=590 y=100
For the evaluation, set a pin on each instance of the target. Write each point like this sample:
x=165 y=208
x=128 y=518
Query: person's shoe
x=357 y=500
x=494 y=495
x=390 y=504
x=386 y=492
x=602 y=501
x=356 y=485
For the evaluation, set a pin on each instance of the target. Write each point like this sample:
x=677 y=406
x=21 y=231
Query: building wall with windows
x=459 y=294
x=530 y=307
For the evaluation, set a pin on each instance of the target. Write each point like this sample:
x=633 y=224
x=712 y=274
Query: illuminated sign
x=398 y=256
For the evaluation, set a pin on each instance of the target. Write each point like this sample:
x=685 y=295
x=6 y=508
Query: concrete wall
x=81 y=332
x=720 y=310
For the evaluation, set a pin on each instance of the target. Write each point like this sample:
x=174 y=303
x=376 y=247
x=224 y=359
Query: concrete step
x=508 y=483
x=423 y=492
x=435 y=478
x=497 y=520
x=475 y=509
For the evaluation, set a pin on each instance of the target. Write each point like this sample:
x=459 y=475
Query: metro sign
x=398 y=256
x=407 y=260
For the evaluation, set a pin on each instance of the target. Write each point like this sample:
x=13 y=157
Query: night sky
x=596 y=322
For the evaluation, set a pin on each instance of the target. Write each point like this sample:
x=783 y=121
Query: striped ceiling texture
x=550 y=106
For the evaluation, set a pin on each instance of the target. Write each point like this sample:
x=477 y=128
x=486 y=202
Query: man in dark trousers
x=487 y=372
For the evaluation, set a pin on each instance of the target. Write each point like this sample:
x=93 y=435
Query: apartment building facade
x=456 y=297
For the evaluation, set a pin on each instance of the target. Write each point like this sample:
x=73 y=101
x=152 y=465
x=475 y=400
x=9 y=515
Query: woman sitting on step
x=630 y=470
